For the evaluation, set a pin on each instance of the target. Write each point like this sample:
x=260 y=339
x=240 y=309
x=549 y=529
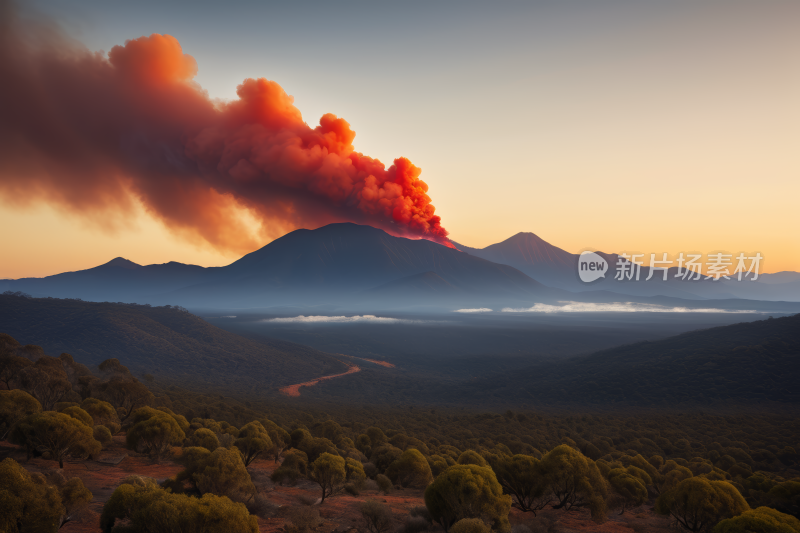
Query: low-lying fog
x=460 y=342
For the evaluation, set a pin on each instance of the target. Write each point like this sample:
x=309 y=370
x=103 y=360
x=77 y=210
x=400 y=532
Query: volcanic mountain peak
x=121 y=262
x=524 y=248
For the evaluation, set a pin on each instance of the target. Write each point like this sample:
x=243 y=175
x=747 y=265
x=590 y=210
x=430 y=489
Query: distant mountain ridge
x=556 y=267
x=350 y=265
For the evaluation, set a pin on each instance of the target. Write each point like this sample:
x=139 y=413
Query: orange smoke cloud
x=93 y=134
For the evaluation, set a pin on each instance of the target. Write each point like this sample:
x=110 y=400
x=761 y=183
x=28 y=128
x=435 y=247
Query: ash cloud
x=97 y=135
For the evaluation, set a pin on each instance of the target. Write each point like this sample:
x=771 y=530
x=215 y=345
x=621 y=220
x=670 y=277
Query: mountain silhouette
x=333 y=263
x=556 y=267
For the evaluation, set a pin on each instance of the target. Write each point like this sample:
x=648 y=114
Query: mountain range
x=555 y=267
x=355 y=266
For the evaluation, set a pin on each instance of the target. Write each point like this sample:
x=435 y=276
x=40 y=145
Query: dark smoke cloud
x=96 y=134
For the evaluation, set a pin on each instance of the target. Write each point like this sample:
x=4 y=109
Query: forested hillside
x=164 y=341
x=754 y=362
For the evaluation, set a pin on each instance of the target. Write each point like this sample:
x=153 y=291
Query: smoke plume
x=97 y=135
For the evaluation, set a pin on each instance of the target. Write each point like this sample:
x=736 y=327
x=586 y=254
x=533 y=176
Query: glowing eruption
x=94 y=134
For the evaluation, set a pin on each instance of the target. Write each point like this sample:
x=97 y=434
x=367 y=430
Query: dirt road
x=294 y=390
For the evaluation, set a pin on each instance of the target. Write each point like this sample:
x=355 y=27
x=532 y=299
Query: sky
x=646 y=126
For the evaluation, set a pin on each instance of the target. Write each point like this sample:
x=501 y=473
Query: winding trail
x=294 y=390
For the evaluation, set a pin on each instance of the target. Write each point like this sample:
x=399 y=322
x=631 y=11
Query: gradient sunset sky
x=638 y=126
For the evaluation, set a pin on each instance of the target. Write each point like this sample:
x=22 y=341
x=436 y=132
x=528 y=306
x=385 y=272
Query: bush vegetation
x=705 y=471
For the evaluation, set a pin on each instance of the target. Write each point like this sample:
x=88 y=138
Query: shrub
x=370 y=470
x=468 y=491
x=222 y=472
x=102 y=435
x=302 y=520
x=471 y=457
x=421 y=511
x=415 y=524
x=376 y=516
x=522 y=477
x=78 y=414
x=204 y=438
x=411 y=469
x=470 y=525
x=253 y=440
x=574 y=480
x=698 y=504
x=154 y=432
x=102 y=413
x=354 y=472
x=294 y=466
x=760 y=520
x=29 y=503
x=384 y=483
x=630 y=487
x=14 y=406
x=56 y=436
x=147 y=507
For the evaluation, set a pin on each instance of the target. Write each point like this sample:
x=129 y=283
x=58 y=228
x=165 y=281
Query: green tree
x=222 y=472
x=522 y=478
x=125 y=393
x=79 y=414
x=384 y=455
x=27 y=502
x=411 y=469
x=630 y=484
x=698 y=504
x=103 y=413
x=759 y=520
x=329 y=472
x=438 y=464
x=253 y=440
x=364 y=444
x=205 y=438
x=786 y=495
x=294 y=466
x=56 y=436
x=154 y=433
x=102 y=435
x=671 y=474
x=15 y=405
x=280 y=438
x=471 y=457
x=468 y=491
x=376 y=436
x=46 y=382
x=575 y=480
x=147 y=508
x=354 y=472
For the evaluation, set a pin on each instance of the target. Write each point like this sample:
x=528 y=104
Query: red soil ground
x=339 y=513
